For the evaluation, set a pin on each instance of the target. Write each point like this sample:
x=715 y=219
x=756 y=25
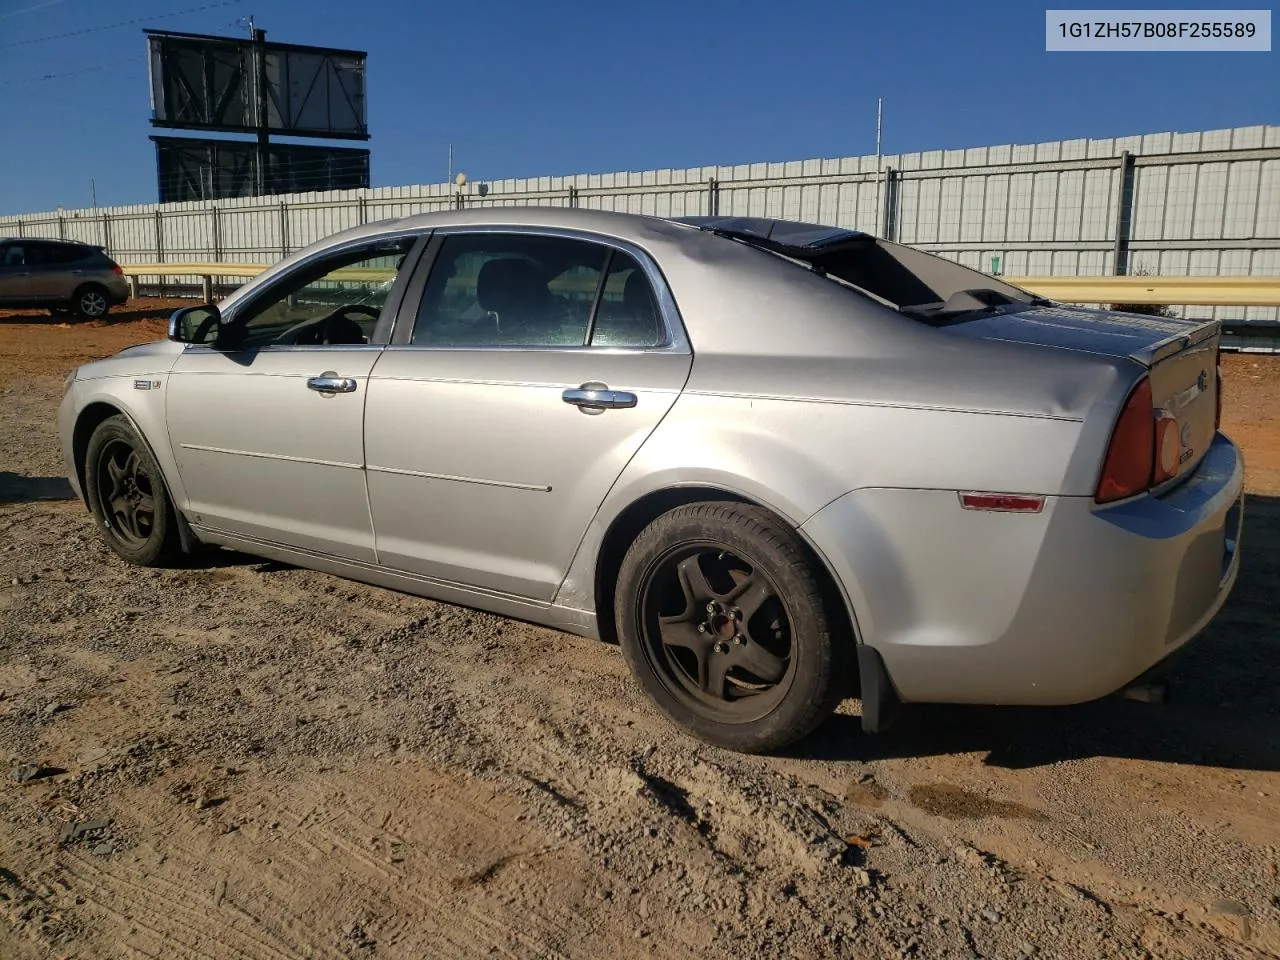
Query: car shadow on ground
x=15 y=488
x=1222 y=708
x=117 y=315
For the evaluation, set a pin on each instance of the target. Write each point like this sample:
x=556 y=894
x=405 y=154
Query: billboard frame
x=255 y=83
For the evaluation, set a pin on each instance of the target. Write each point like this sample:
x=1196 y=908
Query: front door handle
x=596 y=397
x=330 y=382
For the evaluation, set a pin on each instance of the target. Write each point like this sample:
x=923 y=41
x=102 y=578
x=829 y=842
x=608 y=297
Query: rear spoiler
x=1198 y=332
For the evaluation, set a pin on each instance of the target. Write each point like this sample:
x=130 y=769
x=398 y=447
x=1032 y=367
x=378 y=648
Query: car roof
x=65 y=243
x=781 y=234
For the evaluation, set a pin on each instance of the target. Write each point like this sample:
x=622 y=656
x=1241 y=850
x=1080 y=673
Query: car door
x=15 y=275
x=531 y=371
x=56 y=269
x=268 y=428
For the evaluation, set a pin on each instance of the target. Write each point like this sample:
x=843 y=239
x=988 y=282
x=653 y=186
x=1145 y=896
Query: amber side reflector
x=1002 y=502
x=1168 y=449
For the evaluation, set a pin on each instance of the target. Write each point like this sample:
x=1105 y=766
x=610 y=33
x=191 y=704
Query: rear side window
x=53 y=254
x=628 y=314
x=520 y=290
x=12 y=255
x=66 y=253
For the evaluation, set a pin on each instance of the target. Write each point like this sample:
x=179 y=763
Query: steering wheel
x=342 y=324
x=336 y=327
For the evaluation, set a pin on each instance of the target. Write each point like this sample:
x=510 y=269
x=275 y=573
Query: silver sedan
x=779 y=463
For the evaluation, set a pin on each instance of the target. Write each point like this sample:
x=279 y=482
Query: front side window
x=12 y=256
x=521 y=290
x=335 y=301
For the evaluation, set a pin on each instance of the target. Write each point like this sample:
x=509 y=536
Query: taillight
x=115 y=268
x=1130 y=460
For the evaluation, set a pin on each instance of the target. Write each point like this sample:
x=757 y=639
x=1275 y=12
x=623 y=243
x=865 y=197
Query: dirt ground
x=243 y=759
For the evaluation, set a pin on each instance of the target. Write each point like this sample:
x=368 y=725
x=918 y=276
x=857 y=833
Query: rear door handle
x=596 y=397
x=330 y=382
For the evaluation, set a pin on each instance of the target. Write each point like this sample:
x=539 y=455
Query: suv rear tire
x=90 y=302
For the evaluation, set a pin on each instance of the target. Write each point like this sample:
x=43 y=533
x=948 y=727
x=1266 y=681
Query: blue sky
x=576 y=86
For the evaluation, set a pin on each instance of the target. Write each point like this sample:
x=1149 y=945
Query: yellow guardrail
x=1197 y=291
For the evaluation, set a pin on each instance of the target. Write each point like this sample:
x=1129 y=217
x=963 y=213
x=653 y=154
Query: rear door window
x=56 y=253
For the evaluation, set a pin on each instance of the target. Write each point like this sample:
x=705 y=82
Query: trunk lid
x=1180 y=355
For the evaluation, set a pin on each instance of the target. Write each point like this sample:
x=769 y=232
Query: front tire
x=90 y=302
x=128 y=497
x=724 y=623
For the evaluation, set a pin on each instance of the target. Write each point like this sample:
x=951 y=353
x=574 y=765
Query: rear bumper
x=1058 y=607
x=118 y=292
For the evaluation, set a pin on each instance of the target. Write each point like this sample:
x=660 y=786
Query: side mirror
x=202 y=325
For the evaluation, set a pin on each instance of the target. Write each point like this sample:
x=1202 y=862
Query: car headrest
x=510 y=285
x=637 y=297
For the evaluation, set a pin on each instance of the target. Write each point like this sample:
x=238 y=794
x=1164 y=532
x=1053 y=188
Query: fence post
x=713 y=197
x=160 y=248
x=284 y=230
x=890 y=211
x=106 y=234
x=217 y=233
x=1124 y=215
x=62 y=226
x=21 y=229
x=573 y=195
x=364 y=210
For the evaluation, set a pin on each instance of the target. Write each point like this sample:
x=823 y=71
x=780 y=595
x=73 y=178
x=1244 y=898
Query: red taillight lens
x=1130 y=458
x=115 y=268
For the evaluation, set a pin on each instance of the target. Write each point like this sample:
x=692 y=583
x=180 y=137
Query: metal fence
x=1173 y=204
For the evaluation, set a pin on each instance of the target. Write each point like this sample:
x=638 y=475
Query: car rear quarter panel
x=797 y=456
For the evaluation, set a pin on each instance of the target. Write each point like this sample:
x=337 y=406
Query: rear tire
x=725 y=625
x=128 y=496
x=90 y=302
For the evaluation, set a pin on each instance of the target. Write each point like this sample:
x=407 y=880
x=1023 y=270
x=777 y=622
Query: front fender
x=145 y=410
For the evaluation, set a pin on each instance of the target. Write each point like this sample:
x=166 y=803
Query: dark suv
x=63 y=276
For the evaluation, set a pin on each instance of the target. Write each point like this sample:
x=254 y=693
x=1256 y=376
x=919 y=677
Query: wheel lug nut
x=702 y=628
x=711 y=607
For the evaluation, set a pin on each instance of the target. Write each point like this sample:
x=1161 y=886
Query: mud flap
x=880 y=703
x=187 y=538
